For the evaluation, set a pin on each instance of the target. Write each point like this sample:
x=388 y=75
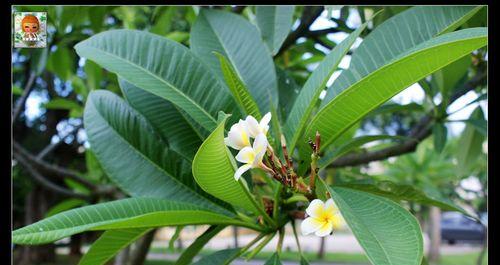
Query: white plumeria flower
x=254 y=127
x=251 y=156
x=322 y=218
x=237 y=137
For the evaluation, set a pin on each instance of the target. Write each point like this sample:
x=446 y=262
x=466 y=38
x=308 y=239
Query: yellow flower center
x=244 y=138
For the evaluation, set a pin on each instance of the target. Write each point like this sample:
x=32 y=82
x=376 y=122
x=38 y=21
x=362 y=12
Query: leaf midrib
x=346 y=91
x=174 y=88
x=153 y=163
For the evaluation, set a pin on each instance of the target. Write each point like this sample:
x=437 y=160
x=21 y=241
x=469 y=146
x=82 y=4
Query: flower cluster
x=239 y=138
x=322 y=217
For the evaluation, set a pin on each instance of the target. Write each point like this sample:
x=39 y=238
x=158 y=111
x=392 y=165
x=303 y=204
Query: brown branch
x=309 y=15
x=421 y=131
x=53 y=169
x=22 y=100
x=51 y=147
x=45 y=182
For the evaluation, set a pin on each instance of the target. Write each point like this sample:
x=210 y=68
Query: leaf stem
x=294 y=228
x=261 y=245
x=279 y=247
x=257 y=207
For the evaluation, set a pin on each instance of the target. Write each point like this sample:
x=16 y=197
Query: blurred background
x=54 y=168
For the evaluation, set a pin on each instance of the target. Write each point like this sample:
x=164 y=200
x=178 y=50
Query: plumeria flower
x=251 y=156
x=322 y=218
x=254 y=127
x=237 y=137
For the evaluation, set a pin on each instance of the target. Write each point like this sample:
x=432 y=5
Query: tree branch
x=421 y=131
x=22 y=100
x=45 y=182
x=309 y=15
x=54 y=169
x=51 y=147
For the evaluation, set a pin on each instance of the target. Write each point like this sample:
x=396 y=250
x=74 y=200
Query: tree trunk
x=36 y=205
x=122 y=257
x=321 y=251
x=434 y=234
x=75 y=245
x=235 y=236
x=142 y=247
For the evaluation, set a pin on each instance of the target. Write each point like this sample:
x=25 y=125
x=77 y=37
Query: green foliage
x=274 y=24
x=273 y=260
x=109 y=244
x=391 y=236
x=471 y=143
x=227 y=34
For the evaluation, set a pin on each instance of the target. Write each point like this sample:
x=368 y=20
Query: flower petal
x=315 y=208
x=265 y=120
x=325 y=229
x=246 y=155
x=252 y=126
x=338 y=221
x=310 y=225
x=237 y=137
x=241 y=170
x=330 y=206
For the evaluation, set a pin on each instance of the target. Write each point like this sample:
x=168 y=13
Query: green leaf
x=213 y=170
x=394 y=107
x=470 y=144
x=338 y=151
x=61 y=62
x=193 y=249
x=94 y=74
x=16 y=90
x=288 y=90
x=221 y=257
x=447 y=78
x=39 y=59
x=121 y=214
x=134 y=156
x=162 y=67
x=274 y=22
x=376 y=88
x=62 y=103
x=109 y=244
x=239 y=41
x=440 y=134
x=403 y=192
x=481 y=125
x=315 y=84
x=64 y=206
x=273 y=260
x=397 y=35
x=182 y=134
x=238 y=88
x=388 y=233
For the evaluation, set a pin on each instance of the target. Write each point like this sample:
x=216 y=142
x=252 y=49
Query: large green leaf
x=221 y=257
x=440 y=134
x=121 y=214
x=274 y=23
x=238 y=89
x=388 y=233
x=273 y=260
x=182 y=134
x=288 y=90
x=470 y=143
x=397 y=35
x=309 y=94
x=213 y=170
x=64 y=206
x=239 y=41
x=373 y=90
x=133 y=155
x=162 y=67
x=109 y=244
x=402 y=192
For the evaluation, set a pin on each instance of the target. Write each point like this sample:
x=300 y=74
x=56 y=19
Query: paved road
x=338 y=243
x=159 y=256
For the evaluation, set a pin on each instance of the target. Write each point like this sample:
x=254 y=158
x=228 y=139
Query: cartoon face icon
x=30 y=24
